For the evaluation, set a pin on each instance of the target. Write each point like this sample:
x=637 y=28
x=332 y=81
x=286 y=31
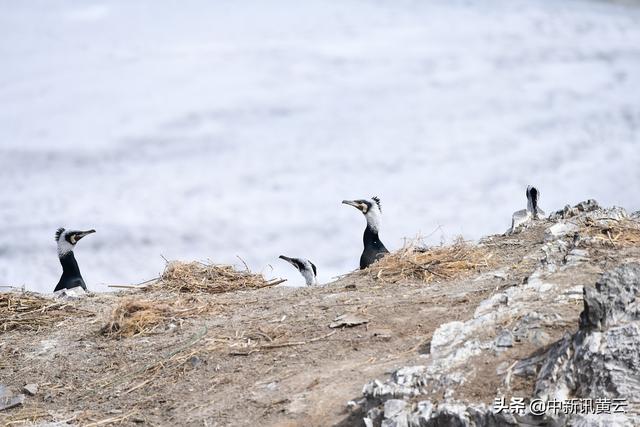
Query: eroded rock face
x=569 y=212
x=613 y=300
x=600 y=360
x=603 y=358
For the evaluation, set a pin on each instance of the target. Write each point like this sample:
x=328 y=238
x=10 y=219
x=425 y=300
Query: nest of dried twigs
x=27 y=311
x=197 y=277
x=623 y=232
x=426 y=264
x=136 y=317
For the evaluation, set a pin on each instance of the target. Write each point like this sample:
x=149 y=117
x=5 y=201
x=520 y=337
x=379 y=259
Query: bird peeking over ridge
x=71 y=277
x=532 y=202
x=305 y=267
x=533 y=212
x=374 y=249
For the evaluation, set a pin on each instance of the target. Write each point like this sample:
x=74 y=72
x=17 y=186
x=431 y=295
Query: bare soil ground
x=262 y=357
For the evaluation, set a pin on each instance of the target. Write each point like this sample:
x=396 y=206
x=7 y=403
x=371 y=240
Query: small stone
x=348 y=320
x=374 y=414
x=560 y=229
x=393 y=407
x=424 y=410
x=504 y=339
x=8 y=402
x=576 y=255
x=195 y=361
x=381 y=334
x=272 y=386
x=31 y=389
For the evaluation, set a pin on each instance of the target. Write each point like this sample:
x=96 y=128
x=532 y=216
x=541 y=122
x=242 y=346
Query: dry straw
x=136 y=316
x=197 y=277
x=623 y=232
x=28 y=311
x=426 y=264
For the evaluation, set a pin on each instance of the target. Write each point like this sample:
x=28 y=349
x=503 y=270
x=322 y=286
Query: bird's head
x=67 y=239
x=305 y=267
x=370 y=208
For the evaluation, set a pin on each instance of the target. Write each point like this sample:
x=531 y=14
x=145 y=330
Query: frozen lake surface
x=205 y=131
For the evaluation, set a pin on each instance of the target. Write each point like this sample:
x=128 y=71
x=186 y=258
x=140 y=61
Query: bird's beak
x=83 y=233
x=353 y=203
x=286 y=258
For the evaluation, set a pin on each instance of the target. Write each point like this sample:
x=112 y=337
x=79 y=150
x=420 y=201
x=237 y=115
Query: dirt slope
x=264 y=357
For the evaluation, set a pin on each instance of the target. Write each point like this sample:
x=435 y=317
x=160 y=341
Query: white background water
x=202 y=130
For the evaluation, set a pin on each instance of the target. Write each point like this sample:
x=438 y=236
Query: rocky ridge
x=599 y=362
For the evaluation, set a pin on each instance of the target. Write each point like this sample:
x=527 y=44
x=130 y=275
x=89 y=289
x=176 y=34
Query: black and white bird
x=71 y=277
x=373 y=248
x=305 y=267
x=532 y=202
x=533 y=211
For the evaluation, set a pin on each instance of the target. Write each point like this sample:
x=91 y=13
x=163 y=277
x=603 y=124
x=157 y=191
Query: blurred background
x=201 y=130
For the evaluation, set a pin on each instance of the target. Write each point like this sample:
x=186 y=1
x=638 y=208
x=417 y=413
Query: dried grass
x=197 y=277
x=136 y=317
x=419 y=263
x=28 y=311
x=624 y=232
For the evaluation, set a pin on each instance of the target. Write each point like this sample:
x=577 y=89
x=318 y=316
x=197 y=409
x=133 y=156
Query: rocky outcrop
x=599 y=361
x=603 y=358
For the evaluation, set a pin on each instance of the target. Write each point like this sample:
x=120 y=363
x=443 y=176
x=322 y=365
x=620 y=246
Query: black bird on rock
x=71 y=277
x=521 y=218
x=374 y=249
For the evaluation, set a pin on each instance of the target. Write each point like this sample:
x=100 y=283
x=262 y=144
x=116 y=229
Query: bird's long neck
x=370 y=237
x=69 y=265
x=532 y=201
x=309 y=278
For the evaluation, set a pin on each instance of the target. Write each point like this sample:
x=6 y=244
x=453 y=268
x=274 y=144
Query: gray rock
x=568 y=211
x=529 y=367
x=399 y=421
x=393 y=407
x=612 y=300
x=504 y=339
x=348 y=320
x=491 y=303
x=8 y=402
x=576 y=255
x=603 y=358
x=560 y=229
x=602 y=420
x=195 y=361
x=30 y=389
x=410 y=376
x=453 y=415
x=423 y=412
x=374 y=414
x=526 y=327
x=519 y=220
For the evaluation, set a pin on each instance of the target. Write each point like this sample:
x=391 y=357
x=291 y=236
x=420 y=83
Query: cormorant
x=71 y=277
x=373 y=248
x=532 y=202
x=532 y=212
x=305 y=267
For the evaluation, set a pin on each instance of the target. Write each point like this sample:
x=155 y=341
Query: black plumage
x=374 y=249
x=71 y=277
